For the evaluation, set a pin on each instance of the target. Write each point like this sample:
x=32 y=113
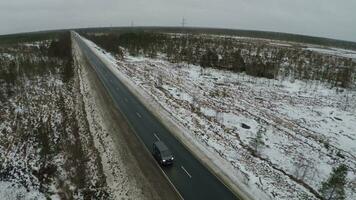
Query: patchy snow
x=45 y=145
x=280 y=44
x=7 y=56
x=178 y=94
x=37 y=44
x=9 y=190
x=208 y=112
x=223 y=112
x=334 y=51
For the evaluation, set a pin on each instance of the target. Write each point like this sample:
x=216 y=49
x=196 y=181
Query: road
x=190 y=177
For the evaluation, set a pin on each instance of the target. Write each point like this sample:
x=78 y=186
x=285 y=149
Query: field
x=284 y=135
x=46 y=150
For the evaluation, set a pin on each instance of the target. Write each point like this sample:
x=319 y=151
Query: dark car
x=162 y=154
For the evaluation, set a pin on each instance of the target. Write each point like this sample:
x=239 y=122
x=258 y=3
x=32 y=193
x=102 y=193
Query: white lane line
x=190 y=176
x=156 y=136
x=138 y=115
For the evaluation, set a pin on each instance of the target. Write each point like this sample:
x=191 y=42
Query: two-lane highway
x=191 y=178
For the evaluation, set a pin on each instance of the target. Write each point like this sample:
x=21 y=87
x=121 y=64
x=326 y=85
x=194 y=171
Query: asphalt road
x=192 y=179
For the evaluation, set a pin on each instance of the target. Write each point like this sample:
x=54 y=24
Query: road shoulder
x=128 y=166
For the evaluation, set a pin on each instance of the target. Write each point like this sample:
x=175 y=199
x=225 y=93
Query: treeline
x=12 y=39
x=193 y=50
x=231 y=32
x=62 y=48
x=254 y=57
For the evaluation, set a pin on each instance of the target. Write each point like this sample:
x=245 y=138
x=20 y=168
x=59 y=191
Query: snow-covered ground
x=334 y=51
x=9 y=190
x=46 y=150
x=307 y=128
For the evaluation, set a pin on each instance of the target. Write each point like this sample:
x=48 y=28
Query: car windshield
x=166 y=153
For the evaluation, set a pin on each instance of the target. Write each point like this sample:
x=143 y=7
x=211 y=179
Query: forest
x=257 y=58
x=230 y=32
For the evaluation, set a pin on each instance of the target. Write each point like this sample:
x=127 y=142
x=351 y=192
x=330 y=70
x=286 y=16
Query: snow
x=295 y=118
x=7 y=56
x=335 y=125
x=10 y=190
x=37 y=44
x=334 y=51
x=280 y=44
x=208 y=111
x=39 y=125
x=234 y=121
x=178 y=94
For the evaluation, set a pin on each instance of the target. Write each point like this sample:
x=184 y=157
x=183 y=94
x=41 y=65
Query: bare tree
x=159 y=82
x=304 y=168
x=195 y=102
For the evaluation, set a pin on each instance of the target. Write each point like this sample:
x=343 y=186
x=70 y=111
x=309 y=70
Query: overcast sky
x=326 y=18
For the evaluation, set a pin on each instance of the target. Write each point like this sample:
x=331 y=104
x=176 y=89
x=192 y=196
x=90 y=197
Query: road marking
x=88 y=50
x=156 y=136
x=190 y=176
x=138 y=114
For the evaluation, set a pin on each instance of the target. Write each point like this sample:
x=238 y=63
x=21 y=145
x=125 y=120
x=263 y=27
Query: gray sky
x=326 y=18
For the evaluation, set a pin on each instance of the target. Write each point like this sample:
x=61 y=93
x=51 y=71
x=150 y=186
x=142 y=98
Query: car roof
x=161 y=146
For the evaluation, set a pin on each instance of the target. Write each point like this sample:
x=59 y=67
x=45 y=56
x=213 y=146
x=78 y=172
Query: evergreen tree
x=209 y=59
x=238 y=63
x=257 y=141
x=333 y=188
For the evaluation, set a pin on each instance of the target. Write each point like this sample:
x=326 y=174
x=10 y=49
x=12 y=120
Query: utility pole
x=132 y=24
x=184 y=22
